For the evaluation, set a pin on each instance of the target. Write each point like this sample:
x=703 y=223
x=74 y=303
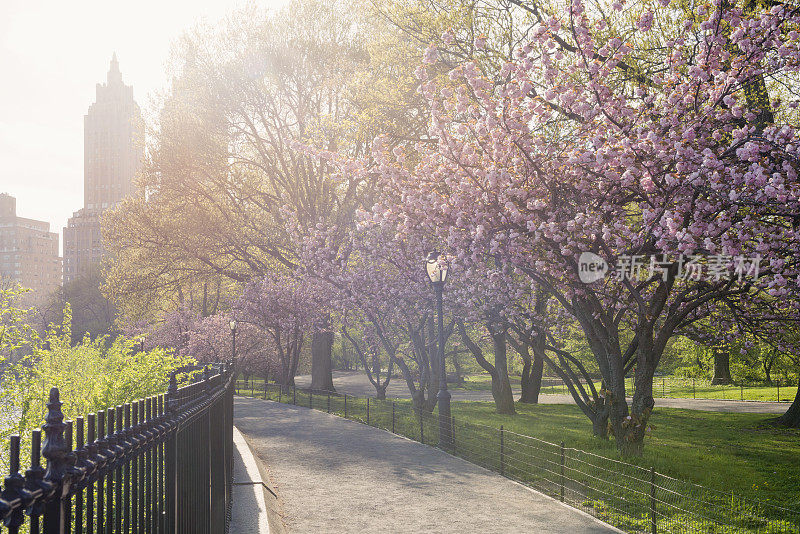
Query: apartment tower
x=28 y=253
x=113 y=149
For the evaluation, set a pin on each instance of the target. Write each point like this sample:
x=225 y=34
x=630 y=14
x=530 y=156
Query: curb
x=249 y=514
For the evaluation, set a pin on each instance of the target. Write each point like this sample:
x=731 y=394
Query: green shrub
x=90 y=376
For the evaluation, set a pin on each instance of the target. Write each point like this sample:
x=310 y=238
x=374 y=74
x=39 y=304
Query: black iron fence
x=633 y=498
x=160 y=464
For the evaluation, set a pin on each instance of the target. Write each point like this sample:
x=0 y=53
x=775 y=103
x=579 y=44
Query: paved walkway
x=355 y=383
x=334 y=475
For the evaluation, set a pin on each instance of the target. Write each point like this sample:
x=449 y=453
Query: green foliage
x=93 y=313
x=752 y=361
x=15 y=332
x=91 y=376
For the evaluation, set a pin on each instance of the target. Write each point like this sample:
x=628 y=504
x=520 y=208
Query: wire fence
x=698 y=388
x=630 y=497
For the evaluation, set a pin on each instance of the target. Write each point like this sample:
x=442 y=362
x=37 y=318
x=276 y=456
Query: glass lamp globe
x=436 y=267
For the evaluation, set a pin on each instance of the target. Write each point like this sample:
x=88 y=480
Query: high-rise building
x=28 y=252
x=113 y=148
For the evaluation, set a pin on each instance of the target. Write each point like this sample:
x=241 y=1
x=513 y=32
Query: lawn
x=666 y=387
x=724 y=451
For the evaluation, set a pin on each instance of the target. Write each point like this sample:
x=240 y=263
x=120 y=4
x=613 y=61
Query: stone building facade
x=28 y=253
x=113 y=150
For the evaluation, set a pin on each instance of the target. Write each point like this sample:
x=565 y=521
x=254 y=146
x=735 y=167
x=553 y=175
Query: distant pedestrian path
x=355 y=383
x=335 y=475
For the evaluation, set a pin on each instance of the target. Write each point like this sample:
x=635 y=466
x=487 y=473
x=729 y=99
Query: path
x=335 y=475
x=355 y=383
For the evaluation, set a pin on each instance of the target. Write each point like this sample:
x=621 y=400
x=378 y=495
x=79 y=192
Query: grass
x=667 y=387
x=727 y=453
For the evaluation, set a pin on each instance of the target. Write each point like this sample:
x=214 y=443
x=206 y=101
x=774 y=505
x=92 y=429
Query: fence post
x=310 y=399
x=102 y=445
x=741 y=391
x=171 y=459
x=562 y=472
x=35 y=475
x=81 y=458
x=367 y=410
x=14 y=484
x=778 y=384
x=453 y=431
x=329 y=403
x=653 y=526
x=345 y=405
x=119 y=476
x=55 y=450
x=294 y=395
x=694 y=393
x=207 y=432
x=663 y=388
x=280 y=394
x=265 y=388
x=392 y=417
x=421 y=429
x=502 y=452
x=126 y=477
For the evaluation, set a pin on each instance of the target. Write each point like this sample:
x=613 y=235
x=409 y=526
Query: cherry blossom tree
x=575 y=152
x=484 y=296
x=210 y=341
x=172 y=332
x=286 y=308
x=379 y=286
x=368 y=351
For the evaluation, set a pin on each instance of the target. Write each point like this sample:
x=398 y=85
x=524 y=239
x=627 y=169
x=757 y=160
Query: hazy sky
x=52 y=53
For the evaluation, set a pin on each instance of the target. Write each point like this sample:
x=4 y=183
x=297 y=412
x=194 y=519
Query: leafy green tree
x=92 y=313
x=91 y=376
x=15 y=332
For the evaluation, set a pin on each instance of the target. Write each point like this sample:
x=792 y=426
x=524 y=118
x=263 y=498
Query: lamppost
x=233 y=341
x=436 y=268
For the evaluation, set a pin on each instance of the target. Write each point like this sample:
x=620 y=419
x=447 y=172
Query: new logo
x=591 y=267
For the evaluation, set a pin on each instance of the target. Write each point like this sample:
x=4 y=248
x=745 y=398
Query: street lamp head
x=436 y=267
x=233 y=325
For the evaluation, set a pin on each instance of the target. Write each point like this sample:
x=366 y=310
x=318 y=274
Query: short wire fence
x=160 y=464
x=632 y=498
x=699 y=388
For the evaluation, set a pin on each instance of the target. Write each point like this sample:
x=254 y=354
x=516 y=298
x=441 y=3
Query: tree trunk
x=722 y=366
x=767 y=363
x=321 y=367
x=600 y=424
x=792 y=416
x=459 y=371
x=501 y=385
x=417 y=393
x=630 y=427
x=532 y=370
